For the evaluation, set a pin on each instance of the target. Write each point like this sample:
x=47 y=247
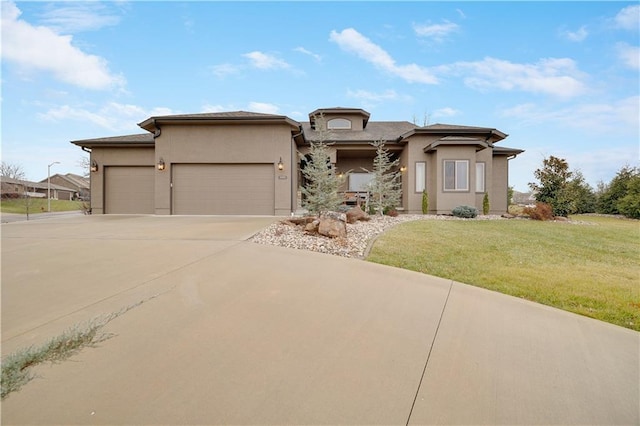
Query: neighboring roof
x=375 y=130
x=144 y=139
x=456 y=130
x=73 y=180
x=36 y=185
x=150 y=124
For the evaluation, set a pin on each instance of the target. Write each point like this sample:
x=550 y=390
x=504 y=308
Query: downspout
x=294 y=157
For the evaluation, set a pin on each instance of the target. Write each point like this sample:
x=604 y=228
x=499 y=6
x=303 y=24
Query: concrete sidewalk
x=240 y=333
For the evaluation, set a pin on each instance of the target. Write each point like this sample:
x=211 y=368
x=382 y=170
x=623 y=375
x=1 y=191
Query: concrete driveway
x=231 y=332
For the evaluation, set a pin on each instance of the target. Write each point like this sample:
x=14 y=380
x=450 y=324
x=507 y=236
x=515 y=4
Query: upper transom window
x=338 y=123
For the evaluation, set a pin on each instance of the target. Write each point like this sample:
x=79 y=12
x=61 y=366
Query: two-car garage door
x=224 y=189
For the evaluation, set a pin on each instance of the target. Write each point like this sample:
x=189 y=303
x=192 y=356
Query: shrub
x=542 y=211
x=390 y=211
x=425 y=202
x=485 y=204
x=465 y=212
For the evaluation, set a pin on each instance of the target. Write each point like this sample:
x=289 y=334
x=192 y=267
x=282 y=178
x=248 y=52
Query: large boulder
x=332 y=228
x=355 y=214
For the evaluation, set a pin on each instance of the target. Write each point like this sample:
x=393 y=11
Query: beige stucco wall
x=225 y=144
x=106 y=157
x=500 y=185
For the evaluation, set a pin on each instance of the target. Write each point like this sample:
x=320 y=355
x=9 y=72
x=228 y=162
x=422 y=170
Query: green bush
x=485 y=204
x=467 y=212
x=425 y=202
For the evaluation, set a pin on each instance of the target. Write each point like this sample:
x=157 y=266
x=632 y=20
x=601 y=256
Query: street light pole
x=49 y=185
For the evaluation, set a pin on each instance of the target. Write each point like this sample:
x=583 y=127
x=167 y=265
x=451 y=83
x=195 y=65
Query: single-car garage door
x=223 y=189
x=129 y=190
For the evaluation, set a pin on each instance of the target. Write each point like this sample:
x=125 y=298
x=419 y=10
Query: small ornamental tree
x=425 y=202
x=553 y=178
x=321 y=190
x=486 y=207
x=385 y=185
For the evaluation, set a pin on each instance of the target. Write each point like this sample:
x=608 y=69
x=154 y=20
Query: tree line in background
x=567 y=192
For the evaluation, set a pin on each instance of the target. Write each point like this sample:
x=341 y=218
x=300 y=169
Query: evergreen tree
x=553 y=177
x=629 y=205
x=610 y=194
x=320 y=194
x=385 y=187
x=582 y=197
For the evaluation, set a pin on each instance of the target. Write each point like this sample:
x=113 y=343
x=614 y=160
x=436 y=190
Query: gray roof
x=456 y=130
x=375 y=130
x=232 y=116
x=126 y=140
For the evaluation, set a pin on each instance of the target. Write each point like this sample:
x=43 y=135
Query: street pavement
x=224 y=331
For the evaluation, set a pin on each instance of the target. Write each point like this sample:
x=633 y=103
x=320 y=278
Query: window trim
x=482 y=178
x=341 y=121
x=420 y=182
x=455 y=176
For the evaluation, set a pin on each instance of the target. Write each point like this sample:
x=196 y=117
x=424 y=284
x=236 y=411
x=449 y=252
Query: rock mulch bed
x=359 y=234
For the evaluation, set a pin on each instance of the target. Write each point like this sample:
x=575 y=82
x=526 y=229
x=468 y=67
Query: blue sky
x=560 y=78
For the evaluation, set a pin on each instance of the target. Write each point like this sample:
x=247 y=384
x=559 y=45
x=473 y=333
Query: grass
x=16 y=367
x=591 y=269
x=38 y=205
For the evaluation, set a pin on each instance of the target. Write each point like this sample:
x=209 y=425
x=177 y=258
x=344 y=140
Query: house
x=250 y=163
x=16 y=188
x=80 y=184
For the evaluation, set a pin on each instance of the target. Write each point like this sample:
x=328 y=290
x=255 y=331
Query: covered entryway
x=129 y=190
x=223 y=189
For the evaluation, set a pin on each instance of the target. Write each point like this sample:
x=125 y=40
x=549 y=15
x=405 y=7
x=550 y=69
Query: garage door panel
x=223 y=189
x=129 y=190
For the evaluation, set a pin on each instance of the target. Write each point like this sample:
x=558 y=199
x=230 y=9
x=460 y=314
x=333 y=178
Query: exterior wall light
x=280 y=164
x=403 y=169
x=94 y=166
x=161 y=164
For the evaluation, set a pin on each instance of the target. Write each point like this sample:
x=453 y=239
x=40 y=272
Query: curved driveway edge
x=244 y=333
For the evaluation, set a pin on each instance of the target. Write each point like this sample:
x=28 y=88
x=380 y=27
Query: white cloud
x=223 y=70
x=213 y=108
x=618 y=117
x=308 y=52
x=628 y=18
x=352 y=41
x=265 y=61
x=112 y=116
x=37 y=48
x=387 y=95
x=81 y=16
x=558 y=77
x=577 y=36
x=436 y=32
x=263 y=107
x=446 y=112
x=630 y=55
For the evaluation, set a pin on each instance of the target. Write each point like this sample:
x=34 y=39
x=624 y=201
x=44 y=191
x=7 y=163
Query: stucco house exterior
x=250 y=163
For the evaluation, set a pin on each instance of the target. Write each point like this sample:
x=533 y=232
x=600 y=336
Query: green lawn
x=38 y=205
x=591 y=269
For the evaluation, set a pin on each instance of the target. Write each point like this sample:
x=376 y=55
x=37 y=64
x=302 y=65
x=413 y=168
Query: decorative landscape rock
x=332 y=228
x=355 y=214
x=312 y=227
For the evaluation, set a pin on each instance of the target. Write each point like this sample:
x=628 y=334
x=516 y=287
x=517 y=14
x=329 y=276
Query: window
x=456 y=175
x=420 y=176
x=358 y=182
x=339 y=123
x=480 y=177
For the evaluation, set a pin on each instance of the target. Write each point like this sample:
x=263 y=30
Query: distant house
x=250 y=163
x=79 y=183
x=17 y=188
